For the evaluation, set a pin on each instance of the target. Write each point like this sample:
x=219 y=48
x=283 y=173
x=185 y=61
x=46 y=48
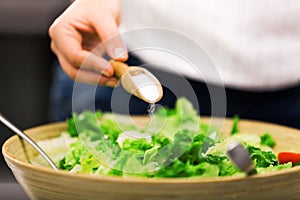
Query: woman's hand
x=82 y=27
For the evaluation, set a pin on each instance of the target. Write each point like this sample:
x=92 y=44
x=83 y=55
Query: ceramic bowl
x=41 y=182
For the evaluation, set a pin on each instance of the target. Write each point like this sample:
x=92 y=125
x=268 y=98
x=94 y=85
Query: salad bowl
x=40 y=182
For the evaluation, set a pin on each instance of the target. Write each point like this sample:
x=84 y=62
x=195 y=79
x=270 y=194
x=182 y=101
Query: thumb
x=107 y=29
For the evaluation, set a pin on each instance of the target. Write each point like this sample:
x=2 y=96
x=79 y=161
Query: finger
x=96 y=64
x=68 y=43
x=93 y=78
x=85 y=76
x=107 y=29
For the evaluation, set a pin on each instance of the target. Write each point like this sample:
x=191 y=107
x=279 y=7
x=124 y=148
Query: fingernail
x=119 y=52
x=111 y=84
x=108 y=72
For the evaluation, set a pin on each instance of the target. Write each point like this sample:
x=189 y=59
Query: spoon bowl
x=138 y=81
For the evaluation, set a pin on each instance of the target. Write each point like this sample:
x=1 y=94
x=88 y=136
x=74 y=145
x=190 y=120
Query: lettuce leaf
x=266 y=139
x=179 y=146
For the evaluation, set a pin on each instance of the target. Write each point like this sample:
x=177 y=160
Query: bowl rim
x=120 y=179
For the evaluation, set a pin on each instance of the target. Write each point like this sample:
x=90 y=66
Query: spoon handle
x=11 y=126
x=119 y=67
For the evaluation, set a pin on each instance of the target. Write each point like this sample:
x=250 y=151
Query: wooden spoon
x=138 y=81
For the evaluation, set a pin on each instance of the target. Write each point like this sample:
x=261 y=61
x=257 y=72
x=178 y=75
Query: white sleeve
x=253 y=44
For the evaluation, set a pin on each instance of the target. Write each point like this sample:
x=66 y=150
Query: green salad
x=174 y=143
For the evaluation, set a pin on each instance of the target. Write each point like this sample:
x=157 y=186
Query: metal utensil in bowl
x=11 y=126
x=240 y=157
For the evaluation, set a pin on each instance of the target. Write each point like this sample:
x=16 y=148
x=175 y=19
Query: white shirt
x=252 y=44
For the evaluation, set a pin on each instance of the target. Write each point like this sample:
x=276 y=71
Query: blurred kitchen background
x=26 y=61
